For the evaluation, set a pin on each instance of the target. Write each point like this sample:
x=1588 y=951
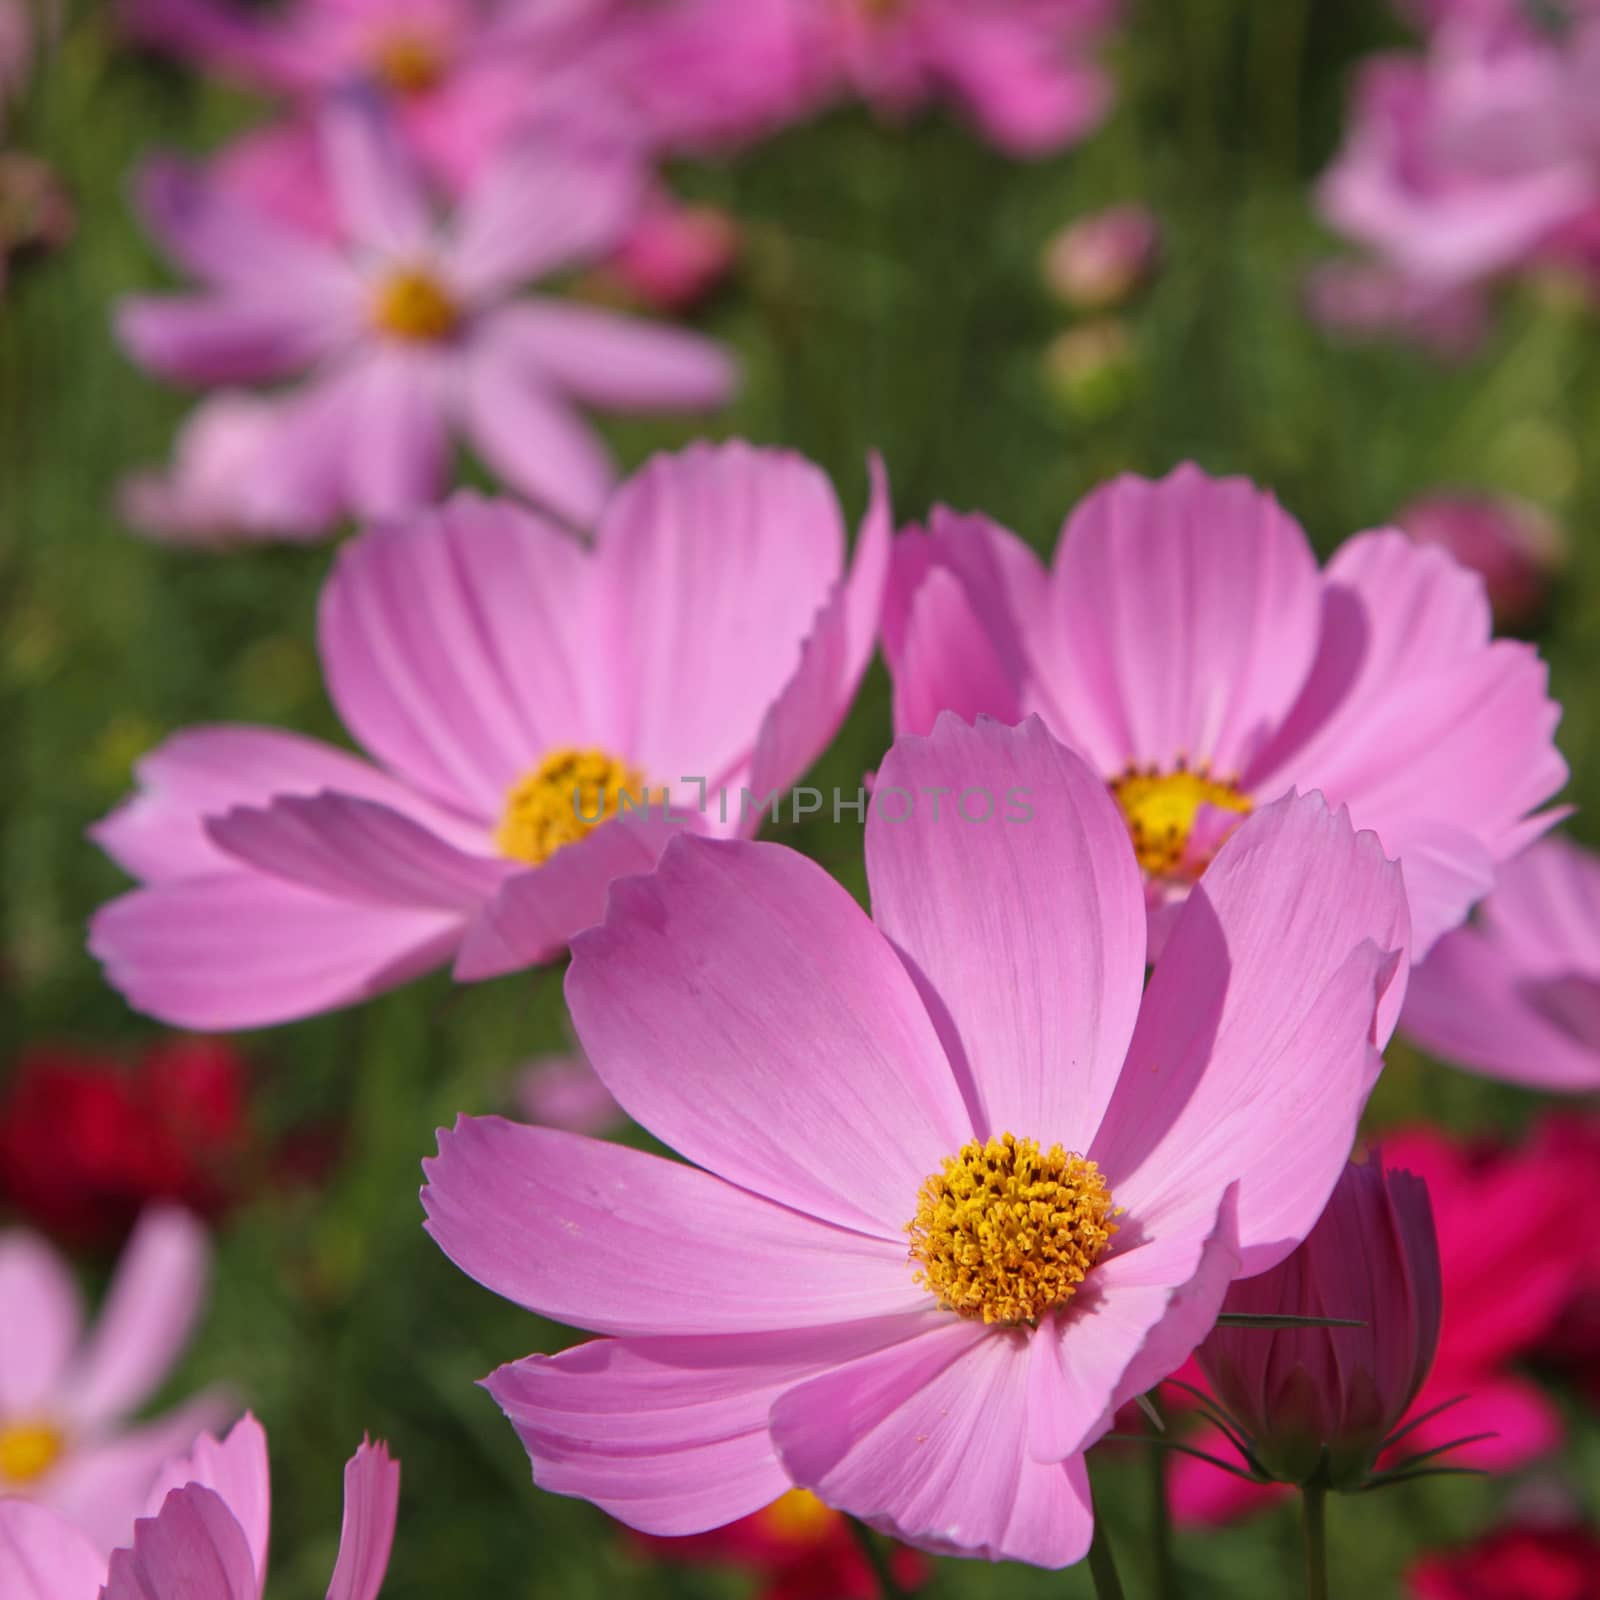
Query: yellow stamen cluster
x=407 y=64
x=414 y=305
x=28 y=1450
x=564 y=799
x=1005 y=1232
x=798 y=1517
x=1161 y=810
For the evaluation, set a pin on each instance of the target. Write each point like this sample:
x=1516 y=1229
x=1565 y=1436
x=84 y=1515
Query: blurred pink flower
x=849 y=1082
x=205 y=1534
x=1317 y=1404
x=1516 y=994
x=16 y=48
x=1098 y=261
x=675 y=254
x=1512 y=545
x=1187 y=645
x=1366 y=301
x=411 y=334
x=566 y=1092
x=64 y=1397
x=497 y=669
x=1521 y=1561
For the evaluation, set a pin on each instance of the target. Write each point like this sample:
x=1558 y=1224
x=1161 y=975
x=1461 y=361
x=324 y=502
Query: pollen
x=407 y=64
x=1161 y=809
x=414 y=305
x=28 y=1450
x=1006 y=1232
x=799 y=1517
x=564 y=799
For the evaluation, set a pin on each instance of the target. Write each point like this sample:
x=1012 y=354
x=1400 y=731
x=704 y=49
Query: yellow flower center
x=798 y=1517
x=414 y=305
x=564 y=799
x=406 y=63
x=28 y=1450
x=1005 y=1232
x=1161 y=810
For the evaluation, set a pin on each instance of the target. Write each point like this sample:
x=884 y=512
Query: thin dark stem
x=1161 y=1525
x=1315 y=1505
x=1103 y=1565
x=877 y=1558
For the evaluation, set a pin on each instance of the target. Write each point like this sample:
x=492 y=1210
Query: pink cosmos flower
x=1516 y=994
x=1022 y=70
x=511 y=684
x=412 y=334
x=848 y=1086
x=1520 y=1561
x=1186 y=644
x=1510 y=543
x=566 y=1092
x=64 y=1398
x=205 y=1537
x=1365 y=300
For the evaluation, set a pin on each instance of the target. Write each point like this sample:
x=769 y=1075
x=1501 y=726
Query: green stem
x=1315 y=1505
x=1103 y=1565
x=889 y=1587
x=1161 y=1525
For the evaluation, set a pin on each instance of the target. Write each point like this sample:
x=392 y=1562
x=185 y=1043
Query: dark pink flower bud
x=1511 y=544
x=1315 y=1403
x=1099 y=261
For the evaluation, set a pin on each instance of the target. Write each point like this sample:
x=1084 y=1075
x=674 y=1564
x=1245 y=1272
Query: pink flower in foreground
x=205 y=1536
x=1516 y=994
x=1511 y=544
x=1186 y=644
x=848 y=1085
x=1317 y=1404
x=511 y=684
x=413 y=335
x=64 y=1398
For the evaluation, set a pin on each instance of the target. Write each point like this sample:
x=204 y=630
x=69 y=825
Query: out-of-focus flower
x=517 y=687
x=1516 y=994
x=566 y=1092
x=1571 y=1141
x=1025 y=71
x=850 y=1084
x=205 y=1535
x=1488 y=1323
x=1367 y=301
x=35 y=212
x=413 y=335
x=1528 y=1561
x=1092 y=368
x=1187 y=645
x=16 y=49
x=1512 y=545
x=796 y=1548
x=675 y=255
x=87 y=1142
x=1316 y=1404
x=64 y=1397
x=1099 y=261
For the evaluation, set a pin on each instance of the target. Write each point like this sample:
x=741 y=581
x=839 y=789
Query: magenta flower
x=1516 y=995
x=205 y=1537
x=835 y=1297
x=511 y=685
x=411 y=334
x=1510 y=543
x=1317 y=1405
x=1186 y=644
x=64 y=1397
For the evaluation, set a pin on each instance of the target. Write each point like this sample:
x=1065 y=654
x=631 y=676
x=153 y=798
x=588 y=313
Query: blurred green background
x=890 y=298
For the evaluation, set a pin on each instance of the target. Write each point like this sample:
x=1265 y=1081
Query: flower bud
x=1101 y=260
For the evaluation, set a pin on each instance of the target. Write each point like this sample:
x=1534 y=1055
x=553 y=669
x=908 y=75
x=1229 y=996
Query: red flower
x=86 y=1141
x=1530 y=1563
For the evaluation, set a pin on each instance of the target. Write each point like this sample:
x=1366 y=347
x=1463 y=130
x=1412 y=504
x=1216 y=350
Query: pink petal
x=1257 y=1043
x=194 y=1547
x=644 y=1244
x=238 y=1470
x=371 y=1502
x=713 y=565
x=220 y=36
x=45 y=1319
x=458 y=648
x=950 y=663
x=1014 y=894
x=43 y=1557
x=228 y=338
x=377 y=192
x=529 y=435
x=1545 y=912
x=301 y=478
x=401 y=445
x=741 y=1007
x=540 y=207
x=1523 y=1421
x=927 y=1440
x=618 y=362
x=160 y=832
x=804 y=718
x=245 y=950
x=1189 y=611
x=670 y=1435
x=149 y=1313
